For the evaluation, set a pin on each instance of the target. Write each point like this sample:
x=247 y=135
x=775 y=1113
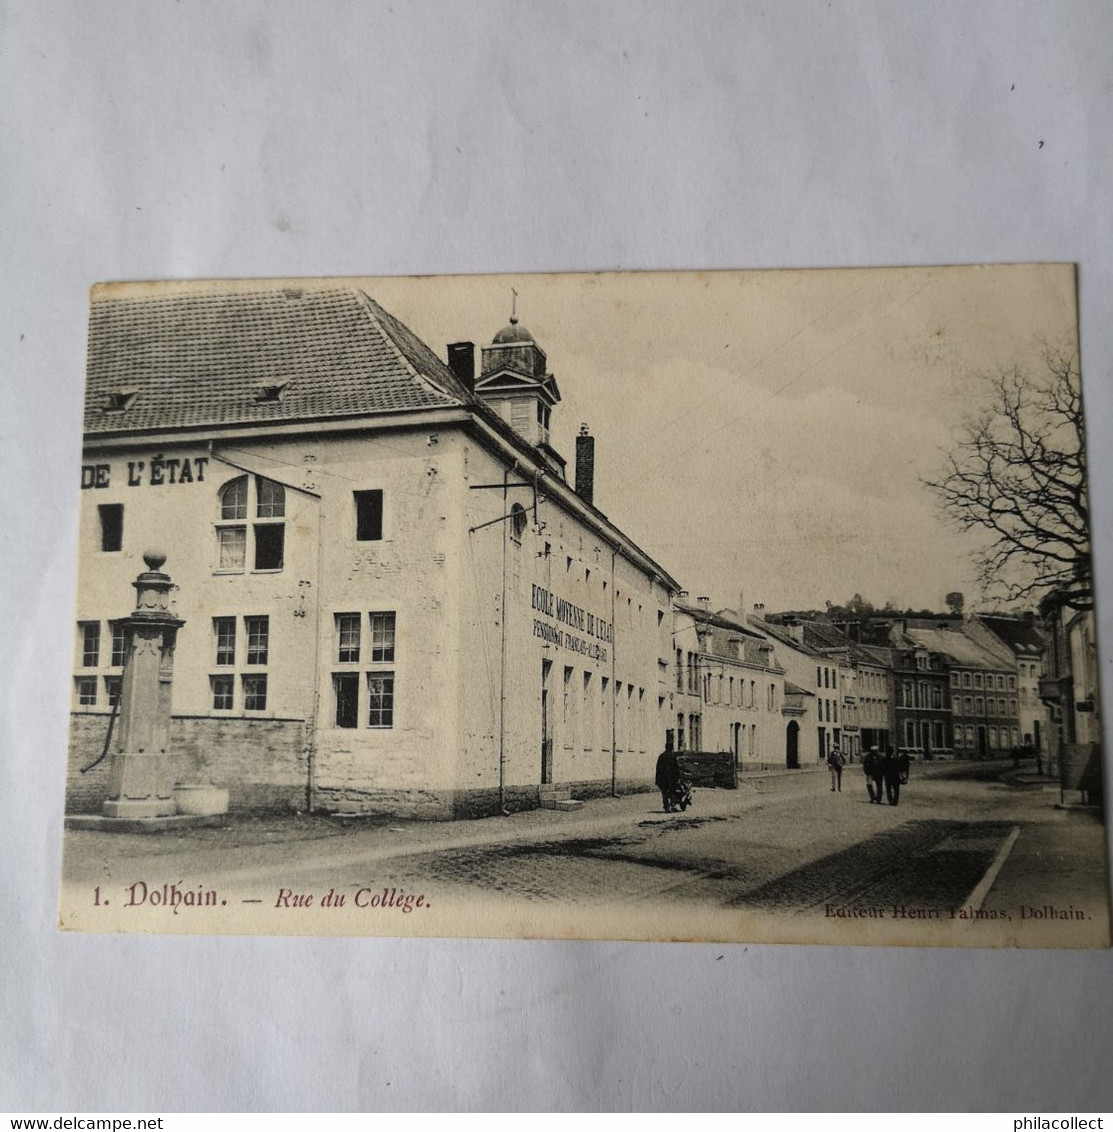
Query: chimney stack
x=585 y=465
x=704 y=603
x=461 y=360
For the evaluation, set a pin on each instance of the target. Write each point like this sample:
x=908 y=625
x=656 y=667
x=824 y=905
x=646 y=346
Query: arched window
x=263 y=543
x=233 y=499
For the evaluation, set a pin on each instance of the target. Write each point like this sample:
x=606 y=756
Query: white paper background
x=314 y=138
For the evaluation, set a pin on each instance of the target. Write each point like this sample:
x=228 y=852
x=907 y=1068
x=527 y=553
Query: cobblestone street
x=784 y=843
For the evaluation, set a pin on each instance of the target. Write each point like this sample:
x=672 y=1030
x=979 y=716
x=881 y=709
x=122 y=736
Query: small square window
x=258 y=639
x=232 y=543
x=111 y=526
x=380 y=693
x=86 y=687
x=270 y=545
x=254 y=693
x=224 y=629
x=346 y=688
x=369 y=515
x=382 y=638
x=224 y=688
x=90 y=644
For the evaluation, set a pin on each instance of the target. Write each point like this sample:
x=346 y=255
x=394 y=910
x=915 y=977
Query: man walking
x=871 y=765
x=835 y=763
x=891 y=773
x=668 y=774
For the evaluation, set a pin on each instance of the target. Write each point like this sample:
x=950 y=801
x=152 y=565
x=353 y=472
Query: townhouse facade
x=978 y=689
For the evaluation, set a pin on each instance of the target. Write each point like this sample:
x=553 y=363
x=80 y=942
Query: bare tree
x=1018 y=471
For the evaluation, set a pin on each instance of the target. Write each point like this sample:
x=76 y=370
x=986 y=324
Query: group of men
x=888 y=770
x=885 y=773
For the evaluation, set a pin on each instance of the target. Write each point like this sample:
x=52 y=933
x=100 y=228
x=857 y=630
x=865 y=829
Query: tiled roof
x=957 y=646
x=724 y=619
x=1018 y=634
x=203 y=356
x=872 y=654
x=779 y=633
x=820 y=635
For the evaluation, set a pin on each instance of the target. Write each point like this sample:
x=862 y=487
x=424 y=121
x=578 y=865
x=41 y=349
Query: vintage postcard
x=738 y=606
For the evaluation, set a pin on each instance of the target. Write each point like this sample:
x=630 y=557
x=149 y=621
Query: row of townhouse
x=931 y=688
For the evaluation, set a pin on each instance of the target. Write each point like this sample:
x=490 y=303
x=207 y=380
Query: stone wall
x=709 y=768
x=262 y=762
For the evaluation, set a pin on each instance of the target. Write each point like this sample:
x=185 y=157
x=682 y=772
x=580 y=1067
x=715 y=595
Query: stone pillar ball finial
x=154 y=559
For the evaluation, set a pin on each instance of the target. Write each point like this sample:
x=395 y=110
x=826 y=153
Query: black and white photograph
x=557 y=559
x=743 y=606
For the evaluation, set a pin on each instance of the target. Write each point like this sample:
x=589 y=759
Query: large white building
x=393 y=599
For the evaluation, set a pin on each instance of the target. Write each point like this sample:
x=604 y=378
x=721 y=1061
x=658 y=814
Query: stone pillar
x=141 y=779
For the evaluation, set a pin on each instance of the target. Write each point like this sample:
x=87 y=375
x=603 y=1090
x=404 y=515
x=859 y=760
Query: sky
x=763 y=435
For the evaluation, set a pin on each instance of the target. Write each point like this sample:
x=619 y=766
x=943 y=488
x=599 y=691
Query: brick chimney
x=585 y=465
x=704 y=603
x=461 y=360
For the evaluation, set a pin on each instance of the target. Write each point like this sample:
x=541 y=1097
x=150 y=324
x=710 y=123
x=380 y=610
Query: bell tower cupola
x=514 y=380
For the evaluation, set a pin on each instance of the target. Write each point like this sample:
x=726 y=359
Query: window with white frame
x=241 y=647
x=85 y=689
x=364 y=655
x=100 y=661
x=261 y=542
x=119 y=644
x=348 y=632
